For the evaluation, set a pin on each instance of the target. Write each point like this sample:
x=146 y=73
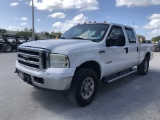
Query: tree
x=25 y=29
x=155 y=39
x=3 y=31
x=56 y=34
x=24 y=33
x=141 y=38
x=27 y=34
x=46 y=34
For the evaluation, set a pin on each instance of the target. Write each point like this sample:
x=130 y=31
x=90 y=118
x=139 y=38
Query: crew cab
x=82 y=56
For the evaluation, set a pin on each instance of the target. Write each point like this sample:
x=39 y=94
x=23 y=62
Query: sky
x=60 y=15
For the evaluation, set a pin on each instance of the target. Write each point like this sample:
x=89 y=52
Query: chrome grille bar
x=33 y=57
x=31 y=62
x=29 y=55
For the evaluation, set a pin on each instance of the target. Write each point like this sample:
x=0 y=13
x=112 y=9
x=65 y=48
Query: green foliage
x=3 y=31
x=155 y=39
x=141 y=39
x=24 y=33
x=47 y=34
x=56 y=33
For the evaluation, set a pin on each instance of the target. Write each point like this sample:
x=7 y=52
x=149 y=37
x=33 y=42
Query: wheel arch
x=91 y=65
x=148 y=55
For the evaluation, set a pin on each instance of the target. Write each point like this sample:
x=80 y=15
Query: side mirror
x=120 y=40
x=110 y=42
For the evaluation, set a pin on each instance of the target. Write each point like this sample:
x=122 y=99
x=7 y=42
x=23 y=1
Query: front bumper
x=53 y=78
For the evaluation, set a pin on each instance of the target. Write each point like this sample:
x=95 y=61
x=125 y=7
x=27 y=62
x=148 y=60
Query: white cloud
x=13 y=28
x=24 y=18
x=38 y=20
x=16 y=18
x=59 y=26
x=57 y=15
x=108 y=17
x=66 y=4
x=155 y=32
x=154 y=22
x=154 y=16
x=135 y=26
x=130 y=3
x=153 y=27
x=38 y=31
x=24 y=24
x=14 y=4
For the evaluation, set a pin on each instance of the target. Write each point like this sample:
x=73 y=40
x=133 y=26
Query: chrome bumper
x=52 y=78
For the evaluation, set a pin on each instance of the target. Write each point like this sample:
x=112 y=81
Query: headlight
x=59 y=61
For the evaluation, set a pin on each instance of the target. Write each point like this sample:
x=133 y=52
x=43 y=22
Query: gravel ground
x=131 y=98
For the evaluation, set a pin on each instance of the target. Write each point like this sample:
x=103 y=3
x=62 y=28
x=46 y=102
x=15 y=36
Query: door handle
x=137 y=49
x=126 y=49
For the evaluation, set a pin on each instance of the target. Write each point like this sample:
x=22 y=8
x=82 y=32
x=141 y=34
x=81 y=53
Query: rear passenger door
x=133 y=47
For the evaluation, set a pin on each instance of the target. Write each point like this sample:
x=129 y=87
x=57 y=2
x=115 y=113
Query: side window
x=131 y=35
x=114 y=32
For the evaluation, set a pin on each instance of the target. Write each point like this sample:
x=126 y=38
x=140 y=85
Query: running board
x=119 y=75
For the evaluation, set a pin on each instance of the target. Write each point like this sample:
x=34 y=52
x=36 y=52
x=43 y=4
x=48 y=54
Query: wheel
x=142 y=69
x=7 y=48
x=83 y=87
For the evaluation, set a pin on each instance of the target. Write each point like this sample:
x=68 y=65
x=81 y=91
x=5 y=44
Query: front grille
x=33 y=57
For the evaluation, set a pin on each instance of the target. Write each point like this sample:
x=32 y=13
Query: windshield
x=94 y=32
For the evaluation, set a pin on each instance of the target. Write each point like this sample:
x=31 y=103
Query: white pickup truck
x=82 y=56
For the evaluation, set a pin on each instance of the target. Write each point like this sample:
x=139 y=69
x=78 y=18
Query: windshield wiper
x=78 y=38
x=75 y=38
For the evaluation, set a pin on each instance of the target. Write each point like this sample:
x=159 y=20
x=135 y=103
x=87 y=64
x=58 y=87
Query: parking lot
x=131 y=98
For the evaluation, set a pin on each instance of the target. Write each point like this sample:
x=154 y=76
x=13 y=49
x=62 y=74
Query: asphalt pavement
x=131 y=98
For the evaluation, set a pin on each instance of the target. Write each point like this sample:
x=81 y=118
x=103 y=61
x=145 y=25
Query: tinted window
x=114 y=32
x=131 y=36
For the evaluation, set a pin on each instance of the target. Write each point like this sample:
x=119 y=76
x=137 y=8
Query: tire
x=83 y=87
x=142 y=69
x=7 y=48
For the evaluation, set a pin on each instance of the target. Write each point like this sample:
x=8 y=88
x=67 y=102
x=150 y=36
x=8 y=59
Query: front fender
x=77 y=59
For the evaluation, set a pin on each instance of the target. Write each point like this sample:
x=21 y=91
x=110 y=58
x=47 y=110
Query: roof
x=110 y=23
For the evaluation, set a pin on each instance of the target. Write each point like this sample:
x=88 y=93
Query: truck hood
x=57 y=46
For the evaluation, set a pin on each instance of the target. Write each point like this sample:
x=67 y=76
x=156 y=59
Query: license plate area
x=21 y=74
x=25 y=77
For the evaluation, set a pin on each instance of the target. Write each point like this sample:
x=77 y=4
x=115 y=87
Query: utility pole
x=145 y=34
x=33 y=35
